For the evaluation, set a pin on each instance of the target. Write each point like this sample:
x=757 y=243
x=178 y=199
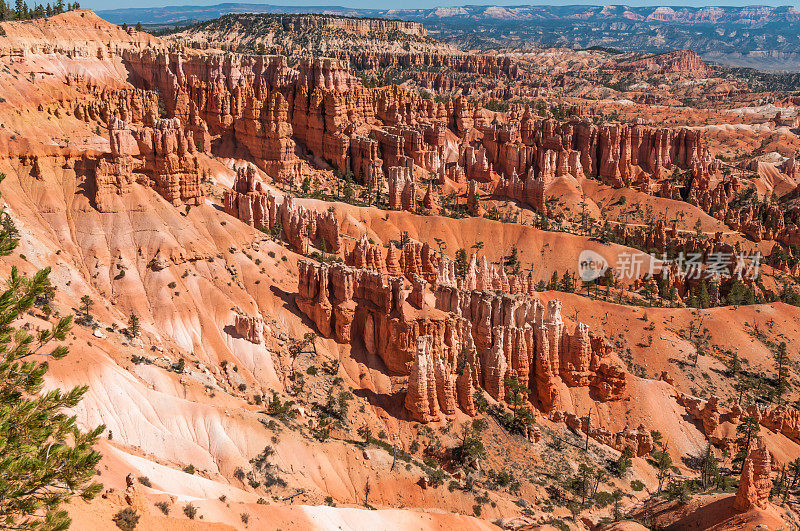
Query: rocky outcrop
x=249 y=327
x=252 y=203
x=516 y=336
x=755 y=483
x=639 y=440
x=529 y=190
x=477 y=339
x=162 y=156
x=422 y=401
x=114 y=174
x=686 y=62
x=170 y=161
x=402 y=189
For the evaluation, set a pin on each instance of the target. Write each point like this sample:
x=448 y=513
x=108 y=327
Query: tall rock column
x=422 y=401
x=755 y=483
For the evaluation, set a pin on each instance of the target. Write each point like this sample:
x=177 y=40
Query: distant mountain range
x=758 y=36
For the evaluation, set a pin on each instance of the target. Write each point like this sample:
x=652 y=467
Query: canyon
x=358 y=275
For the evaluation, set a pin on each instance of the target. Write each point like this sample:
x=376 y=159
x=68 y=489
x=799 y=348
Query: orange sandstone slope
x=280 y=333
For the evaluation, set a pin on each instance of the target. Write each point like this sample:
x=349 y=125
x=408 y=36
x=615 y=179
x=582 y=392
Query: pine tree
x=747 y=429
x=734 y=364
x=86 y=306
x=709 y=467
x=663 y=462
x=553 y=285
x=782 y=371
x=567 y=285
x=44 y=458
x=133 y=325
x=703 y=298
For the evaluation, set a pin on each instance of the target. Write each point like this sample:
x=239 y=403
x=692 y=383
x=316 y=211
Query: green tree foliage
x=133 y=325
x=663 y=464
x=567 y=284
x=21 y=10
x=709 y=468
x=624 y=462
x=747 y=429
x=740 y=294
x=781 y=359
x=44 y=458
x=470 y=447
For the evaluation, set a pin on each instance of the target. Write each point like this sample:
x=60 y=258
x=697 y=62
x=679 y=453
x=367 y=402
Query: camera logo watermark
x=591 y=265
x=691 y=266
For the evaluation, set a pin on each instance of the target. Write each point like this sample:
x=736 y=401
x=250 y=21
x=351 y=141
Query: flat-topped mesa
x=170 y=161
x=362 y=26
x=250 y=202
x=755 y=483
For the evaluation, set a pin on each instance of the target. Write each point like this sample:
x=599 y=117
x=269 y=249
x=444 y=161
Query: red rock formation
x=421 y=400
x=517 y=337
x=473 y=202
x=164 y=155
x=402 y=189
x=529 y=190
x=250 y=202
x=170 y=161
x=685 y=62
x=427 y=201
x=755 y=483
x=250 y=328
x=367 y=255
x=114 y=176
x=639 y=440
x=418 y=259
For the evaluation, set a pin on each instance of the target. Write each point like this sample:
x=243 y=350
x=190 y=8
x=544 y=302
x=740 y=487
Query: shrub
x=189 y=469
x=126 y=519
x=436 y=477
x=164 y=506
x=637 y=485
x=144 y=480
x=190 y=511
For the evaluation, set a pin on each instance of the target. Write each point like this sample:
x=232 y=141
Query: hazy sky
x=410 y=4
